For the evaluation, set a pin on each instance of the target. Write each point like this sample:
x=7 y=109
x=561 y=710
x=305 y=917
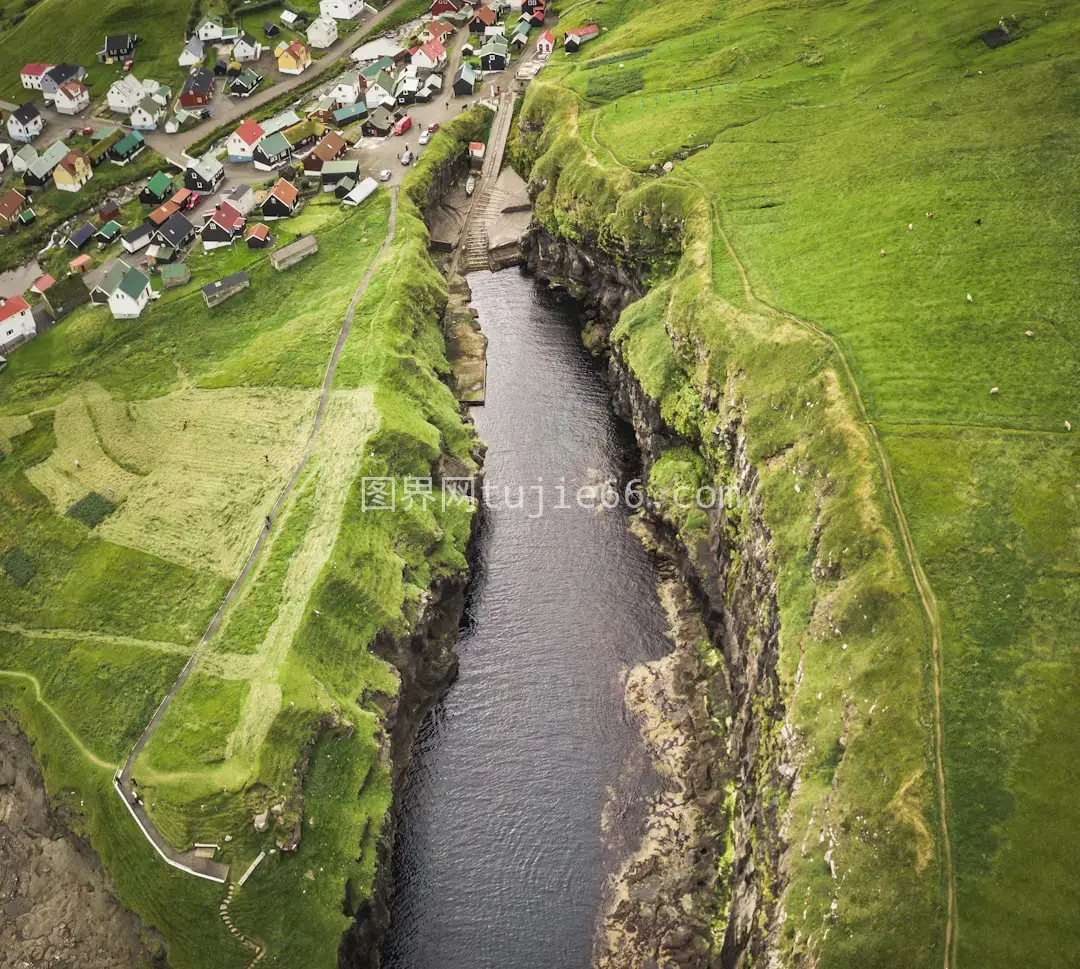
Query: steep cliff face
x=728 y=573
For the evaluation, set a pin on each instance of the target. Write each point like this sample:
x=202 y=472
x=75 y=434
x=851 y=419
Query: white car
x=425 y=137
x=384 y=175
x=406 y=157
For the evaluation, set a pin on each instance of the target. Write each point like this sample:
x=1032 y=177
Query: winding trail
x=188 y=861
x=922 y=582
x=88 y=754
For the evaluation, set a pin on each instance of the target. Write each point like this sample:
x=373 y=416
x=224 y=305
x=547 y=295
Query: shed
x=218 y=292
x=80 y=264
x=290 y=255
x=175 y=274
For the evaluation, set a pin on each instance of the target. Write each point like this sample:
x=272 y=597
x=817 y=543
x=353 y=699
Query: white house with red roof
x=430 y=57
x=241 y=143
x=545 y=43
x=576 y=36
x=438 y=30
x=32 y=74
x=16 y=322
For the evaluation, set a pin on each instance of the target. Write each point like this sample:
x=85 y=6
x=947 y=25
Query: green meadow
x=138 y=460
x=843 y=178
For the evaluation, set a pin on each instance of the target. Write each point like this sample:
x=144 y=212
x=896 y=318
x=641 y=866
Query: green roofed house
x=102 y=133
x=157 y=189
x=104 y=289
x=131 y=294
x=109 y=231
x=350 y=114
x=373 y=69
x=127 y=148
x=26 y=216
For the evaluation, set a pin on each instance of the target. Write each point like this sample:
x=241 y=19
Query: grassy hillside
x=844 y=176
x=74 y=30
x=137 y=462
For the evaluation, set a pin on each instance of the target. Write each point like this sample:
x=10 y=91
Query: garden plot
x=192 y=473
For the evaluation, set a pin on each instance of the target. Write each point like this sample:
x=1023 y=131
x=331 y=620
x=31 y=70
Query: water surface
x=500 y=858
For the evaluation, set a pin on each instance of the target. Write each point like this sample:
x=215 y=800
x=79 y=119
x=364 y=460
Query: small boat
x=470 y=185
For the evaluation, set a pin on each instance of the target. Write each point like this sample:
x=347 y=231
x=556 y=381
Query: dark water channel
x=500 y=858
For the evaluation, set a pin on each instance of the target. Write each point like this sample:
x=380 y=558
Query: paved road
x=128 y=790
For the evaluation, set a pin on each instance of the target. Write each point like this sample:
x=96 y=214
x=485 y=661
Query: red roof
x=79 y=261
x=11 y=204
x=250 y=131
x=12 y=307
x=439 y=28
x=162 y=212
x=181 y=196
x=73 y=88
x=548 y=36
x=486 y=16
x=284 y=191
x=227 y=217
x=297 y=49
x=584 y=31
x=43 y=284
x=476 y=146
x=35 y=70
x=433 y=50
x=259 y=231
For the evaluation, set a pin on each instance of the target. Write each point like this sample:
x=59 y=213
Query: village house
x=333 y=173
x=241 y=143
x=246 y=48
x=156 y=190
x=348 y=88
x=204 y=175
x=380 y=91
x=244 y=83
x=32 y=74
x=348 y=115
x=73 y=171
x=439 y=7
x=279 y=122
x=67 y=294
x=271 y=152
x=81 y=236
x=163 y=213
x=61 y=74
x=25 y=123
x=223 y=228
x=341 y=9
x=294 y=58
x=288 y=256
x=258 y=236
x=483 y=18
x=101 y=292
x=212 y=28
x=322 y=33
x=130 y=295
x=7 y=155
x=465 y=80
x=407 y=88
x=11 y=206
x=124 y=93
x=147 y=114
x=545 y=44
x=41 y=171
x=24 y=158
x=365 y=189
x=198 y=89
x=430 y=57
x=378 y=123
x=193 y=53
x=108 y=232
x=137 y=238
x=16 y=322
x=71 y=98
x=127 y=148
x=303 y=135
x=241 y=198
x=492 y=58
x=218 y=292
x=438 y=30
x=576 y=36
x=476 y=154
x=281 y=202
x=117 y=47
x=331 y=147
x=176 y=232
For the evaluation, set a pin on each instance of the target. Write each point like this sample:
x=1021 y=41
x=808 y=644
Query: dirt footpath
x=57 y=907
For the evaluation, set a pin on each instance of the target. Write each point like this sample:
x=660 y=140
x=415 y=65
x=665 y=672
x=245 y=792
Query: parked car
x=433 y=127
x=403 y=124
x=192 y=200
x=406 y=157
x=128 y=65
x=425 y=137
x=384 y=175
